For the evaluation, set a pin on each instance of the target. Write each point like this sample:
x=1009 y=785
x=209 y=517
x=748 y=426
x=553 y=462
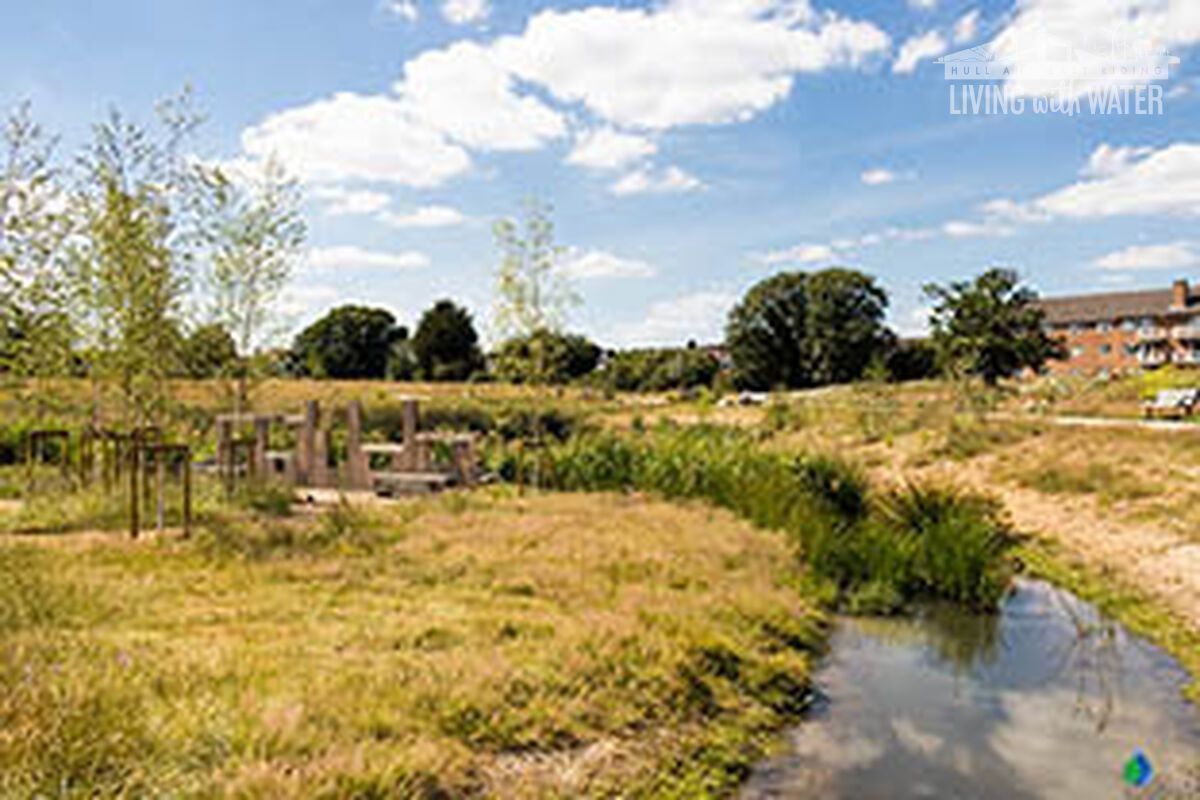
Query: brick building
x=1119 y=332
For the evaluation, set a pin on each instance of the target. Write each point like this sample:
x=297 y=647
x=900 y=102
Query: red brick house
x=1119 y=332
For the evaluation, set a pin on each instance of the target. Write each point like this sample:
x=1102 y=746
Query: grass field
x=546 y=646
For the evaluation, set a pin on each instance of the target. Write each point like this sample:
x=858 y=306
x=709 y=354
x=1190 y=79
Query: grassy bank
x=558 y=645
x=875 y=550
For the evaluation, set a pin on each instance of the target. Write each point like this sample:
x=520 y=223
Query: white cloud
x=917 y=49
x=607 y=148
x=424 y=217
x=924 y=5
x=1176 y=255
x=801 y=254
x=1107 y=161
x=404 y=9
x=1132 y=182
x=464 y=92
x=962 y=229
x=967 y=27
x=349 y=257
x=881 y=176
x=305 y=299
x=685 y=63
x=700 y=316
x=1088 y=26
x=1004 y=209
x=671 y=180
x=356 y=137
x=599 y=264
x=342 y=202
x=465 y=12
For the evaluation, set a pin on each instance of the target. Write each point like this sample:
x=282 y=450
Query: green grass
x=854 y=540
x=557 y=645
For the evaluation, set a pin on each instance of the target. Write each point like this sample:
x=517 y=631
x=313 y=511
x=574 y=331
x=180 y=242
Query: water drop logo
x=1138 y=771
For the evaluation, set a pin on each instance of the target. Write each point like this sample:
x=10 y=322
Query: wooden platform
x=391 y=484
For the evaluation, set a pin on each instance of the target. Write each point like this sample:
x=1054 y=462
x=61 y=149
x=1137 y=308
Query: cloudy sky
x=689 y=147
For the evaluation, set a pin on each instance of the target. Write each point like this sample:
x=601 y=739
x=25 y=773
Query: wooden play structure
x=420 y=462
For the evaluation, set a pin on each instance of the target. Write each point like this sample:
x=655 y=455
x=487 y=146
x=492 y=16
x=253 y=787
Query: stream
x=1047 y=699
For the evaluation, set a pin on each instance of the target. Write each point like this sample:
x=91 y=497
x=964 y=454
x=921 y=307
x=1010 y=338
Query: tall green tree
x=767 y=334
x=350 y=342
x=798 y=329
x=565 y=357
x=209 y=352
x=446 y=345
x=990 y=327
x=845 y=330
x=253 y=234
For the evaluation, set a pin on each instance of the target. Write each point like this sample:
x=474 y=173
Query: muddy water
x=1045 y=700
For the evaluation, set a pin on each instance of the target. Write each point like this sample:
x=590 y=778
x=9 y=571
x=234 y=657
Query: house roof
x=1114 y=305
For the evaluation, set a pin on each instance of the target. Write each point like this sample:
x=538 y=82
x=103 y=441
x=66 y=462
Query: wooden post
x=357 y=465
x=225 y=455
x=262 y=439
x=306 y=444
x=160 y=470
x=411 y=421
x=187 y=492
x=134 y=499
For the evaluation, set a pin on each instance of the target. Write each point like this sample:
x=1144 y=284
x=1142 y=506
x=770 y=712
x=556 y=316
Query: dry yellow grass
x=549 y=646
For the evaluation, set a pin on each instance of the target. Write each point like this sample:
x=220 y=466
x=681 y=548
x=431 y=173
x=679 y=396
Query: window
x=1105 y=349
x=1129 y=324
x=1076 y=352
x=1104 y=327
x=1131 y=349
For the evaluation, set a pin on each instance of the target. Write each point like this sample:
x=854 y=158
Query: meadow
x=633 y=609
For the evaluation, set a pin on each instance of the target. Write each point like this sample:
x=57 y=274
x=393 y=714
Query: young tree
x=132 y=208
x=990 y=327
x=532 y=294
x=445 y=344
x=35 y=325
x=253 y=232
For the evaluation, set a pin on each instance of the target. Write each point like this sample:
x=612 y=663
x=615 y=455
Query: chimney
x=1180 y=294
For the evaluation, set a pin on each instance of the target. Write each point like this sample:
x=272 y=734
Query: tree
x=133 y=209
x=36 y=332
x=990 y=327
x=446 y=345
x=253 y=232
x=911 y=360
x=532 y=294
x=844 y=328
x=209 y=352
x=352 y=342
x=565 y=358
x=767 y=334
x=796 y=329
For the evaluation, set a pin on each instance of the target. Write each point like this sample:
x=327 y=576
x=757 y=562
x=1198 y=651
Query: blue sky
x=689 y=147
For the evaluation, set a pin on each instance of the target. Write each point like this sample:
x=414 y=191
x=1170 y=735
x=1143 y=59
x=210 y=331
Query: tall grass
x=877 y=551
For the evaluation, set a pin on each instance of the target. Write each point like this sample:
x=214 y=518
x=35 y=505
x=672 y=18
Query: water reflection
x=1047 y=699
